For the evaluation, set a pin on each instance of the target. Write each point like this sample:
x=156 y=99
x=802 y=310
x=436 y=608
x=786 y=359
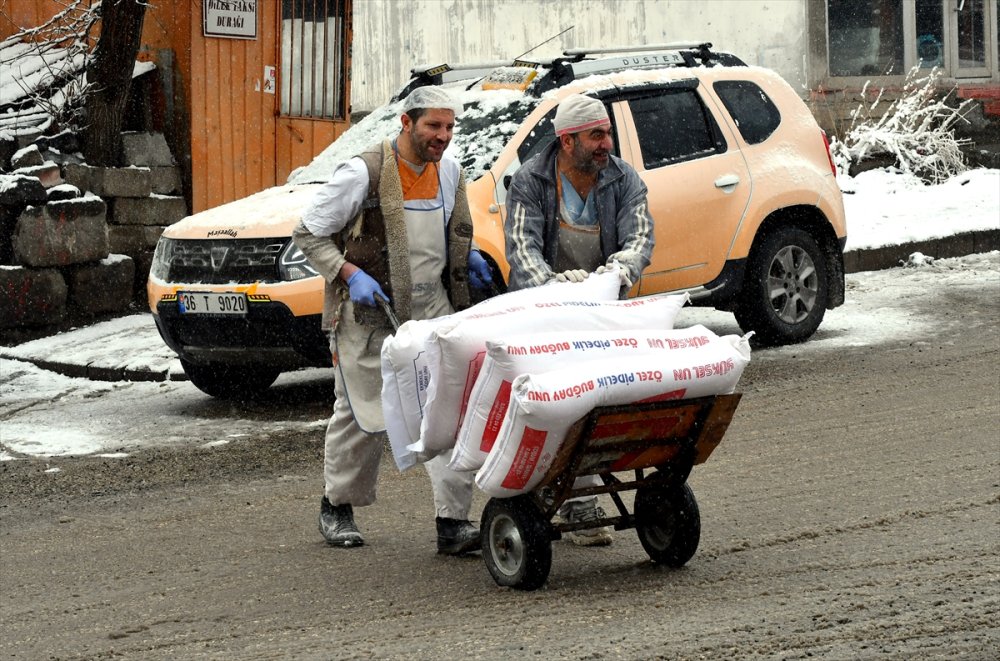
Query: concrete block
x=62 y=233
x=146 y=149
x=104 y=286
x=165 y=180
x=31 y=297
x=152 y=210
x=132 y=239
x=28 y=157
x=63 y=192
x=19 y=190
x=122 y=182
x=80 y=175
x=48 y=173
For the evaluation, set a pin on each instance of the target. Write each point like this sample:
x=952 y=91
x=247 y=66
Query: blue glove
x=363 y=289
x=480 y=275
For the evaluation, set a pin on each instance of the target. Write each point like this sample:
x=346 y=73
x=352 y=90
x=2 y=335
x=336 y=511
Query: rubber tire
x=668 y=523
x=768 y=262
x=230 y=382
x=516 y=541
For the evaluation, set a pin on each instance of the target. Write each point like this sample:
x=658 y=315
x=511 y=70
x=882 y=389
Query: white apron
x=359 y=348
x=579 y=244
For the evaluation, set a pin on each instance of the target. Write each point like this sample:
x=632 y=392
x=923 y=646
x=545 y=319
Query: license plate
x=207 y=302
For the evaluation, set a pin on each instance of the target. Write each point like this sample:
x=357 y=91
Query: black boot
x=456 y=536
x=336 y=522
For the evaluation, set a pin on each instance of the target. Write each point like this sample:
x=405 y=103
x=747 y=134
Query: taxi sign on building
x=232 y=19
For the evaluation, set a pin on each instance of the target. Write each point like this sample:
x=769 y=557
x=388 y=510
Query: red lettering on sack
x=495 y=418
x=667 y=396
x=526 y=458
x=475 y=365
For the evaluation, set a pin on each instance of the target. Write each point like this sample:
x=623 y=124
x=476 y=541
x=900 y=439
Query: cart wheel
x=517 y=542
x=668 y=523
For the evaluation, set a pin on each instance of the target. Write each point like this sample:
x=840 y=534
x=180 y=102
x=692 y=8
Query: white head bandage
x=578 y=113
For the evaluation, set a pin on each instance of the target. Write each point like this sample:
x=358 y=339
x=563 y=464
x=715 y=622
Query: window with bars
x=313 y=58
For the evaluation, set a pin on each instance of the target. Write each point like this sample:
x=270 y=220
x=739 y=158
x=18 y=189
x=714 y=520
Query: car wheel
x=668 y=523
x=237 y=382
x=784 y=295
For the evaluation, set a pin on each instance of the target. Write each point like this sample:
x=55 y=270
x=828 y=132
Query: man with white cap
x=392 y=223
x=574 y=209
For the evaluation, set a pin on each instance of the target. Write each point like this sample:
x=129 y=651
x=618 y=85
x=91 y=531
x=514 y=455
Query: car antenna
x=541 y=43
x=544 y=42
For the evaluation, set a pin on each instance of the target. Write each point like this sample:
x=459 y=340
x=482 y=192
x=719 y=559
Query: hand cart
x=671 y=436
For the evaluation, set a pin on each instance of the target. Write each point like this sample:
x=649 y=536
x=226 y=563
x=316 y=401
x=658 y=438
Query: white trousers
x=351 y=462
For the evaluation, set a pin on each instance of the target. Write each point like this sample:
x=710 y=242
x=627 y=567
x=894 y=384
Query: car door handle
x=727 y=182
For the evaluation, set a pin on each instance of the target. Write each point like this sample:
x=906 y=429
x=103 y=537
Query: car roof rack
x=575 y=62
x=674 y=45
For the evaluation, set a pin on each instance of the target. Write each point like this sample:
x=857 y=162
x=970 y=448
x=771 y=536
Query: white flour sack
x=405 y=377
x=406 y=374
x=543 y=352
x=543 y=406
x=456 y=352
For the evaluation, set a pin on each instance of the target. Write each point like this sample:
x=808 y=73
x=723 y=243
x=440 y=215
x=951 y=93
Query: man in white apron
x=392 y=223
x=573 y=209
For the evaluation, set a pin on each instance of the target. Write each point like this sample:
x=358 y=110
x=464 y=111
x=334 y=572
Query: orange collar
x=423 y=186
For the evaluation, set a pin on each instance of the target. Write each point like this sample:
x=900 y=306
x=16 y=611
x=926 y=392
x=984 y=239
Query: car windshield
x=490 y=119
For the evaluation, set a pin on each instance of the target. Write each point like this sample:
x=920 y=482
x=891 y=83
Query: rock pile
x=77 y=241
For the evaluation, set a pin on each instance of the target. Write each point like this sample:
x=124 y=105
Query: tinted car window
x=755 y=114
x=672 y=127
x=539 y=138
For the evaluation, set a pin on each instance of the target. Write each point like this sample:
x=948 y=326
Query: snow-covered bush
x=917 y=129
x=42 y=71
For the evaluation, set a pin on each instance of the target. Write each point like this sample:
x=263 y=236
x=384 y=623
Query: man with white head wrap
x=573 y=209
x=398 y=212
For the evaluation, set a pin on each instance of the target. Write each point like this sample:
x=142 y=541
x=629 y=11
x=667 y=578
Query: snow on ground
x=883 y=208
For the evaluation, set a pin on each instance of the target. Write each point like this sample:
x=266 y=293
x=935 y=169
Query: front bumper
x=269 y=334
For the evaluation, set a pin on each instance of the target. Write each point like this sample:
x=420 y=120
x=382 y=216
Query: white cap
x=432 y=96
x=578 y=113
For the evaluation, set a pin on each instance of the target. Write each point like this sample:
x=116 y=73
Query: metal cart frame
x=670 y=436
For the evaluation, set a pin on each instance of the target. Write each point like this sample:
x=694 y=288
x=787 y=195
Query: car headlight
x=160 y=267
x=293 y=264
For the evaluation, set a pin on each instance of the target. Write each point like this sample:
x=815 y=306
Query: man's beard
x=584 y=161
x=421 y=148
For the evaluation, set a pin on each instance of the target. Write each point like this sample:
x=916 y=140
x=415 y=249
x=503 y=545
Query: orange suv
x=743 y=193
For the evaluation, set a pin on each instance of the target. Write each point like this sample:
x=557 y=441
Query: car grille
x=222 y=261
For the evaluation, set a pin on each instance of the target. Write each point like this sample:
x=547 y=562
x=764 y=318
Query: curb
x=957 y=245
x=98 y=373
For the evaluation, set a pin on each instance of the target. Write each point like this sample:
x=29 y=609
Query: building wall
x=770 y=33
x=26 y=13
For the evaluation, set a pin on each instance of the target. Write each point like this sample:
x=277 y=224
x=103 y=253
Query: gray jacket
x=532 y=225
